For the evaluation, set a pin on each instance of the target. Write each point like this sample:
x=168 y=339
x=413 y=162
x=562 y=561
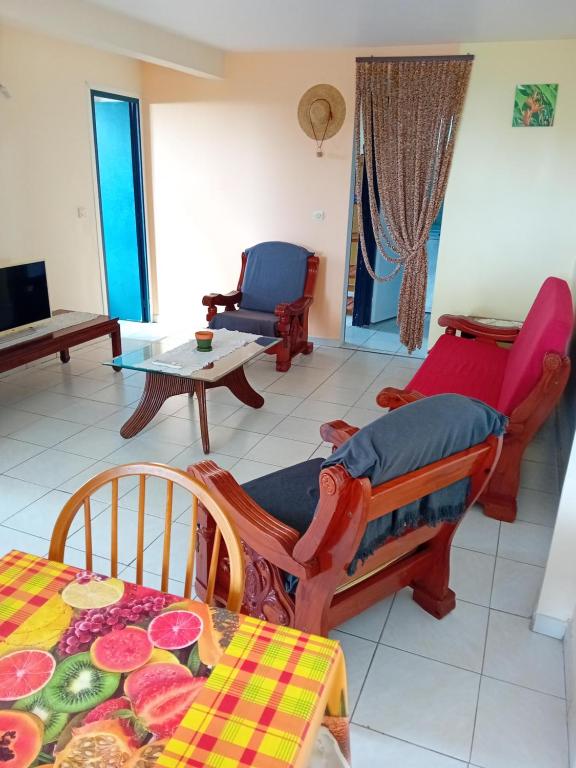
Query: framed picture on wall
x=535 y=105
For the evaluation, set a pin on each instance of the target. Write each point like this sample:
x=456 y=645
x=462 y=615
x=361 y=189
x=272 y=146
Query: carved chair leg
x=308 y=348
x=312 y=604
x=283 y=357
x=431 y=591
x=499 y=498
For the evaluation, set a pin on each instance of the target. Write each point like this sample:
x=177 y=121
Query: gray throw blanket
x=407 y=439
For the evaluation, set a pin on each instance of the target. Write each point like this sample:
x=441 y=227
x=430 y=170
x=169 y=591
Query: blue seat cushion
x=275 y=274
x=262 y=323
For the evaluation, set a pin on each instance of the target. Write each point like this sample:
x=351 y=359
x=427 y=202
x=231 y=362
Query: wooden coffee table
x=61 y=341
x=228 y=372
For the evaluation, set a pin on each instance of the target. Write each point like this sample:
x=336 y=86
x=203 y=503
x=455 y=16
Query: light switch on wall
x=81 y=212
x=318 y=215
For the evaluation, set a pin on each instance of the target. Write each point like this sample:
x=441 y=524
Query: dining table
x=98 y=671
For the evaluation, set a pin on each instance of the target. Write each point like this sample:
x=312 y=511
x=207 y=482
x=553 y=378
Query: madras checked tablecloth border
x=258 y=704
x=27 y=582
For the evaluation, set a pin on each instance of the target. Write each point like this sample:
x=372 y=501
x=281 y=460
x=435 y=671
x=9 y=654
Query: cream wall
x=231 y=167
x=46 y=158
x=510 y=209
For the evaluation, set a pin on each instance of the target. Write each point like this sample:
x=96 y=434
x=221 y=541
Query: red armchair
x=273 y=298
x=523 y=380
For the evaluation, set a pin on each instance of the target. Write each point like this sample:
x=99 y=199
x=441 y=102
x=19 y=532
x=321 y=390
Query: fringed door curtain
x=407 y=113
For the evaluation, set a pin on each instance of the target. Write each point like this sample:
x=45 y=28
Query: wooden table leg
x=65 y=355
x=239 y=385
x=116 y=344
x=200 y=391
x=157 y=389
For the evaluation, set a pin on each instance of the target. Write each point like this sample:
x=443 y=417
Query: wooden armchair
x=273 y=298
x=523 y=379
x=320 y=555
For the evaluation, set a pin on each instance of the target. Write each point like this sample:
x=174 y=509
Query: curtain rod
x=363 y=59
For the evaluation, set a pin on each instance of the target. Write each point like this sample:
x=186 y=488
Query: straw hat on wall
x=321 y=113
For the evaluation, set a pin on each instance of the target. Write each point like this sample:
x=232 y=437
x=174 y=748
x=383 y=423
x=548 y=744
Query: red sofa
x=521 y=372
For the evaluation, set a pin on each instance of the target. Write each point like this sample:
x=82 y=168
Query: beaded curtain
x=407 y=114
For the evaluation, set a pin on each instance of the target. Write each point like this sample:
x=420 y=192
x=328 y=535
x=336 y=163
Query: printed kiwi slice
x=77 y=685
x=54 y=722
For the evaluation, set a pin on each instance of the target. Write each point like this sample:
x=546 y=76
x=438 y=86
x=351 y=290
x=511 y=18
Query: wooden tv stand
x=61 y=341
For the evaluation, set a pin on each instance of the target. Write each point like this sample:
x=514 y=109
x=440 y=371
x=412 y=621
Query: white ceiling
x=244 y=25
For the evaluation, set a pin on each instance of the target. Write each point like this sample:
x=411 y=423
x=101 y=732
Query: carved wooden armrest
x=268 y=536
x=294 y=308
x=392 y=398
x=222 y=299
x=337 y=432
x=464 y=324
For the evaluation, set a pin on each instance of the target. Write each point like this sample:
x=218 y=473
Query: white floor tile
x=194 y=454
x=118 y=394
x=11 y=394
x=537 y=507
x=331 y=393
x=421 y=701
x=78 y=386
x=25 y=542
x=17 y=494
x=144 y=449
x=370 y=623
x=77 y=558
x=320 y=410
x=86 y=412
x=525 y=542
x=47 y=403
x=246 y=470
x=50 y=468
x=40 y=517
x=471 y=575
x=12 y=420
x=216 y=412
x=117 y=419
x=358 y=654
x=282 y=452
x=516 y=587
x=456 y=639
x=104 y=493
x=293 y=428
x=14 y=452
x=370 y=748
x=47 y=431
x=518 y=728
x=253 y=420
x=93 y=443
x=539 y=477
x=171 y=429
x=478 y=532
x=517 y=655
x=360 y=417
x=232 y=442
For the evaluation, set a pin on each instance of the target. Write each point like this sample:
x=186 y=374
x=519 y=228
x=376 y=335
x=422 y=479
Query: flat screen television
x=23 y=295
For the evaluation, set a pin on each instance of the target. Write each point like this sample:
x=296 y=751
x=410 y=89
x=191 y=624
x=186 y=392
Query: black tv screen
x=23 y=295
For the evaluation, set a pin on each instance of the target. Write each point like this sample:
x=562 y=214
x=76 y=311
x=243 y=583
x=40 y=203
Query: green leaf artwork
x=534 y=105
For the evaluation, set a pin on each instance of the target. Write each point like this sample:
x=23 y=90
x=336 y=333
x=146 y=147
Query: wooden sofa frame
x=292 y=318
x=499 y=497
x=325 y=595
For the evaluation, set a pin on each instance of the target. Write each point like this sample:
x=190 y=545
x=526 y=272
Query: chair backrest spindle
x=199 y=494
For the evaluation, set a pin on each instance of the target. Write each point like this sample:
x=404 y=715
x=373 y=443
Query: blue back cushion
x=415 y=435
x=275 y=274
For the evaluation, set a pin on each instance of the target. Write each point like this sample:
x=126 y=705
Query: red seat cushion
x=463 y=367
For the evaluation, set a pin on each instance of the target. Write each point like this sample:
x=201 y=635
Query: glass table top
x=145 y=358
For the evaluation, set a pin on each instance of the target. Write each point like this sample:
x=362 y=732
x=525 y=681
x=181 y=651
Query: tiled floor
x=383 y=337
x=477 y=688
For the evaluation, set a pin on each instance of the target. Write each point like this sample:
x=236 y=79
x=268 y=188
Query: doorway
x=372 y=307
x=116 y=123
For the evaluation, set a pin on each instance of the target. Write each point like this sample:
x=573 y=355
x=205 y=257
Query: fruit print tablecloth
x=97 y=672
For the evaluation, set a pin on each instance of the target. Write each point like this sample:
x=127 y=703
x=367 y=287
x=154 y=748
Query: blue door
x=119 y=171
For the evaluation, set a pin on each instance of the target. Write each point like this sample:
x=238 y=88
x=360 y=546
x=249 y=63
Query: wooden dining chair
x=225 y=530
